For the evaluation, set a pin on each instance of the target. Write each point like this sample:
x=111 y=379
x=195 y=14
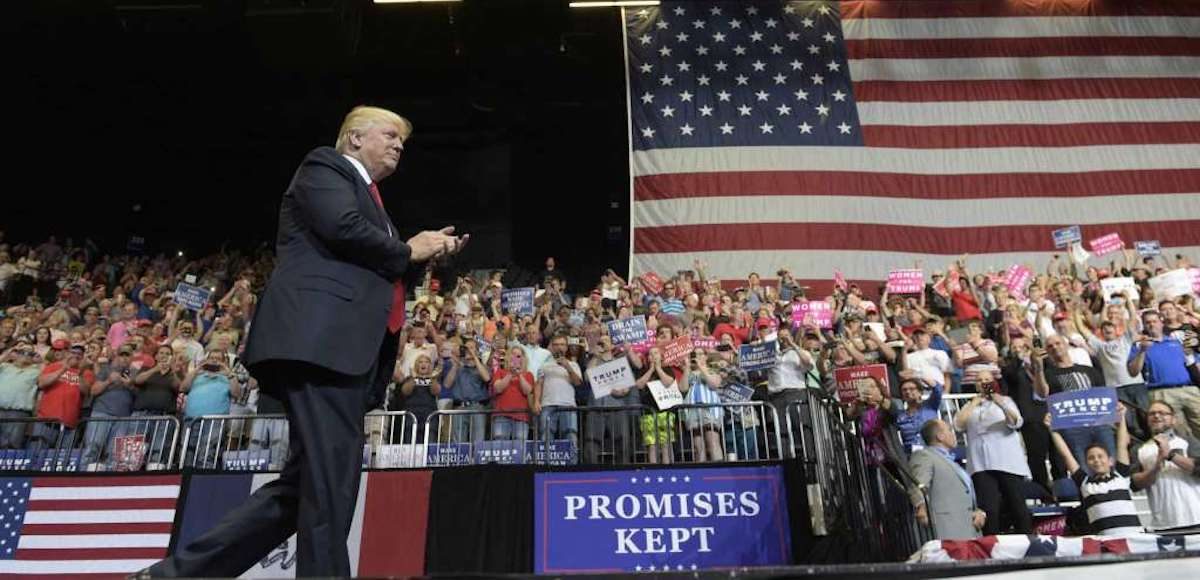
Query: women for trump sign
x=660 y=520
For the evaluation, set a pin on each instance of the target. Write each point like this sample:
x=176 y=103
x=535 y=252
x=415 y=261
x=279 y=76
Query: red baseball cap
x=60 y=344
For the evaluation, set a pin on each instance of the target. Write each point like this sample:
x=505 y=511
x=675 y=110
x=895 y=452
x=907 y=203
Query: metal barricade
x=470 y=436
x=128 y=443
x=213 y=441
x=951 y=405
x=729 y=432
x=615 y=435
x=144 y=442
x=818 y=437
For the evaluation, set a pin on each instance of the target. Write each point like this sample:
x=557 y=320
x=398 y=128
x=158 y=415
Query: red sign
x=652 y=283
x=129 y=451
x=853 y=380
x=839 y=280
x=675 y=353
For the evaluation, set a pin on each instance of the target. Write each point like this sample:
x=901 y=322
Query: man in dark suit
x=323 y=341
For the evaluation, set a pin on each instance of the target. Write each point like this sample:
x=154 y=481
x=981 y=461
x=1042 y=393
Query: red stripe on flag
x=140 y=503
x=892 y=238
x=72 y=576
x=907 y=185
x=70 y=529
x=91 y=554
x=106 y=481
x=1064 y=135
x=395 y=518
x=1023 y=47
x=1026 y=90
x=851 y=9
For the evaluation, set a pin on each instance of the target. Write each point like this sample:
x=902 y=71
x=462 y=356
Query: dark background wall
x=183 y=120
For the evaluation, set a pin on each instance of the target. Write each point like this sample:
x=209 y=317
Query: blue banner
x=517 y=301
x=15 y=459
x=560 y=452
x=755 y=357
x=1067 y=236
x=1083 y=408
x=1148 y=248
x=505 y=452
x=248 y=460
x=660 y=520
x=449 y=454
x=191 y=297
x=628 y=331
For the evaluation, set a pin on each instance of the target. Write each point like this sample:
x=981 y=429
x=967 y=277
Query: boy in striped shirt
x=1106 y=492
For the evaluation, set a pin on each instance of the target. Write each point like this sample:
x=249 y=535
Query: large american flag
x=862 y=135
x=84 y=527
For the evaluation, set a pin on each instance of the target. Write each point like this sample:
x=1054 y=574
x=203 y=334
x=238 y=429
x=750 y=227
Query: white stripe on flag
x=1029 y=112
x=820 y=264
x=922 y=161
x=73 y=566
x=65 y=541
x=98 y=516
x=1053 y=67
x=105 y=492
x=1019 y=27
x=961 y=213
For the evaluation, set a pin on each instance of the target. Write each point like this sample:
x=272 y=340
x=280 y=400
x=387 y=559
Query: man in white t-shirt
x=1168 y=468
x=554 y=392
x=928 y=364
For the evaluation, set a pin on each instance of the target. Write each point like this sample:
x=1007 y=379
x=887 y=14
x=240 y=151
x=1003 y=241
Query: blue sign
x=668 y=519
x=449 y=454
x=517 y=301
x=1067 y=236
x=191 y=297
x=560 y=452
x=735 y=393
x=628 y=331
x=1148 y=248
x=756 y=357
x=1083 y=408
x=505 y=452
x=248 y=460
x=15 y=459
x=57 y=460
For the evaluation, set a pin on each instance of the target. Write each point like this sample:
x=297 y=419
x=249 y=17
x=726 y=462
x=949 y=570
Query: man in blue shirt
x=211 y=387
x=1162 y=362
x=911 y=413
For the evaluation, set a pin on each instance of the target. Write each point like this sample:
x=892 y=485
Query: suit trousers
x=315 y=494
x=1000 y=493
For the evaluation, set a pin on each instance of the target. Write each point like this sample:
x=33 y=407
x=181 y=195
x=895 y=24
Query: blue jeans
x=12 y=435
x=51 y=436
x=99 y=436
x=741 y=441
x=504 y=428
x=1079 y=439
x=469 y=428
x=559 y=422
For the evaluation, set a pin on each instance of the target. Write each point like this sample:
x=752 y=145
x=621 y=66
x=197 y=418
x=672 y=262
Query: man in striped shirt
x=1106 y=493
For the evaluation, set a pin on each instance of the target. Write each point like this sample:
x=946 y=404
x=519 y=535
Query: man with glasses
x=18 y=388
x=113 y=394
x=1168 y=468
x=184 y=344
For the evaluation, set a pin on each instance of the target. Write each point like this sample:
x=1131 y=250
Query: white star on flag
x=726 y=129
x=805 y=128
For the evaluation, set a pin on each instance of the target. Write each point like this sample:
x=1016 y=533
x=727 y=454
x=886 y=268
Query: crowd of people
x=87 y=336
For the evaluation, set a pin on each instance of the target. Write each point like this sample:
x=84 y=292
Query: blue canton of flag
x=14 y=501
x=713 y=74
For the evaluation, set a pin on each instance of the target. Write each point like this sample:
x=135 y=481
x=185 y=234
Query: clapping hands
x=431 y=244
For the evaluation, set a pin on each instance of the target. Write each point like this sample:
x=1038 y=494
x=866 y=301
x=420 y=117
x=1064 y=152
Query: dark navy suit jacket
x=328 y=300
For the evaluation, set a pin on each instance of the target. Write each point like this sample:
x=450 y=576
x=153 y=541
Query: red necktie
x=396 y=315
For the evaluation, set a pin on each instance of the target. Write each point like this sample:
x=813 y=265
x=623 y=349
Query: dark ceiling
x=183 y=120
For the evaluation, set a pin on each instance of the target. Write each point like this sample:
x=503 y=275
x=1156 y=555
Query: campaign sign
x=614 y=374
x=839 y=280
x=400 y=455
x=665 y=396
x=1067 y=236
x=517 y=301
x=504 y=452
x=906 y=282
x=817 y=312
x=851 y=381
x=1194 y=273
x=644 y=346
x=15 y=459
x=1016 y=279
x=1148 y=247
x=129 y=451
x=735 y=393
x=1083 y=408
x=247 y=460
x=756 y=357
x=1173 y=284
x=1115 y=286
x=191 y=297
x=1106 y=244
x=652 y=283
x=628 y=331
x=560 y=452
x=675 y=353
x=449 y=454
x=57 y=459
x=705 y=343
x=668 y=519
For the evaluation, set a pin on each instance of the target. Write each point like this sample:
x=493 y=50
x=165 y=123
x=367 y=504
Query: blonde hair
x=524 y=363
x=361 y=118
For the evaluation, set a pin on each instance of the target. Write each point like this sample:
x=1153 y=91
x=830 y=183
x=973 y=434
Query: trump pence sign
x=659 y=520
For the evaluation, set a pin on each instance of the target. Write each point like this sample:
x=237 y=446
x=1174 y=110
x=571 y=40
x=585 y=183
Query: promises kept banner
x=671 y=519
